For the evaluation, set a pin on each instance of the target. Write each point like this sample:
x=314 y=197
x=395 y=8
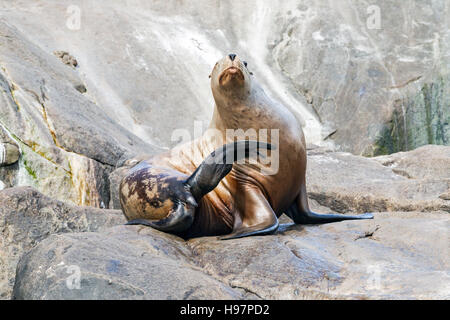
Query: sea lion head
x=158 y=196
x=230 y=78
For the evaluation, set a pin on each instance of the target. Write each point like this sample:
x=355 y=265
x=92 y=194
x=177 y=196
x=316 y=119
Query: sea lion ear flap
x=209 y=76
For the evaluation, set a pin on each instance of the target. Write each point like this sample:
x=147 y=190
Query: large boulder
x=9 y=150
x=395 y=256
x=407 y=181
x=427 y=162
x=9 y=153
x=27 y=217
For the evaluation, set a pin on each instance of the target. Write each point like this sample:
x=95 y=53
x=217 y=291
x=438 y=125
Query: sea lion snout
x=231 y=77
x=232 y=74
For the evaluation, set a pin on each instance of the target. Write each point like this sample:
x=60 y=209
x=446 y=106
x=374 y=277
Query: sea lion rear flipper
x=300 y=213
x=316 y=218
x=219 y=163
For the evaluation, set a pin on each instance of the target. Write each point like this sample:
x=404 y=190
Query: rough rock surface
x=405 y=181
x=66 y=58
x=9 y=153
x=9 y=150
x=429 y=161
x=114 y=181
x=69 y=146
x=27 y=217
x=395 y=256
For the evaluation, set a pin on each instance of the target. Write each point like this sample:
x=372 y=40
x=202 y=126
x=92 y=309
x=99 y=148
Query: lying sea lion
x=201 y=189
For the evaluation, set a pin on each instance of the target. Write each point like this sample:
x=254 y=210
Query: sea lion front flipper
x=260 y=229
x=220 y=162
x=257 y=218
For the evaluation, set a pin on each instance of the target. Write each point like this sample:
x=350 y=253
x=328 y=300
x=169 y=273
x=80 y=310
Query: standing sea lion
x=193 y=190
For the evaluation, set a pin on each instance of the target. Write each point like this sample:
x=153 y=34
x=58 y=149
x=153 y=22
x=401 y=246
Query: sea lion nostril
x=232 y=56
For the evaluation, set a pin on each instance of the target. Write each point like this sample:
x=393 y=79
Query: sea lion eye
x=154 y=203
x=245 y=63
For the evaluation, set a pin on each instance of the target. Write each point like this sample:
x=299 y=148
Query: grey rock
x=114 y=181
x=406 y=181
x=364 y=78
x=27 y=217
x=9 y=153
x=445 y=195
x=122 y=263
x=430 y=161
x=418 y=118
x=395 y=256
x=32 y=78
x=9 y=150
x=69 y=146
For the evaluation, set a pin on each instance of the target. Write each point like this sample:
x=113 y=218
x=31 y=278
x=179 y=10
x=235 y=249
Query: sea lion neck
x=236 y=113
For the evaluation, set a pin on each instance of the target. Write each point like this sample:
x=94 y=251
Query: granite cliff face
x=85 y=86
